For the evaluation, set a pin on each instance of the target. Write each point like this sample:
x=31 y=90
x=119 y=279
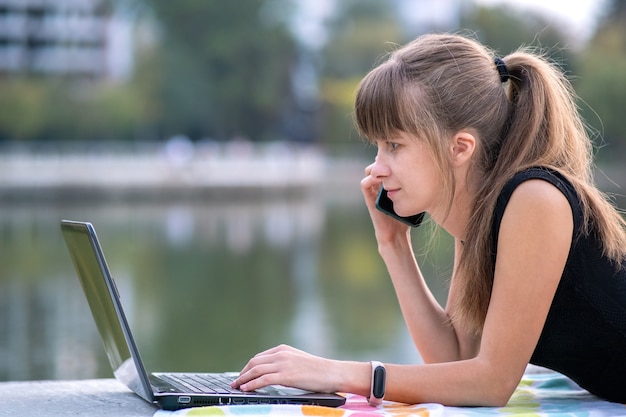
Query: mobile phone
x=384 y=204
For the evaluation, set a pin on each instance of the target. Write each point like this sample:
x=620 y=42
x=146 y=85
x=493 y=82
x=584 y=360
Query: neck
x=456 y=219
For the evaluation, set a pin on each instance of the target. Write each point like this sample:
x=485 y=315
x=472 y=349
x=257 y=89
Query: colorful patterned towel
x=538 y=395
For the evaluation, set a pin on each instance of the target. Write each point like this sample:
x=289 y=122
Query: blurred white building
x=60 y=37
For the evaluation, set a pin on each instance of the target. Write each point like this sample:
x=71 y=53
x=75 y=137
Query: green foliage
x=22 y=109
x=505 y=30
x=225 y=69
x=40 y=109
x=361 y=33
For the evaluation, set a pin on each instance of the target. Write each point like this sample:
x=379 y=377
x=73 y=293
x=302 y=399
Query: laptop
x=169 y=391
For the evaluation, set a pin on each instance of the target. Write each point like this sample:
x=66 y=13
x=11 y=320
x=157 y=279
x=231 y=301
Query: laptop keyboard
x=202 y=383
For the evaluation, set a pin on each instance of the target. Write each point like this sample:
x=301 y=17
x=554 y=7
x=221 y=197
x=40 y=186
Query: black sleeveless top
x=584 y=336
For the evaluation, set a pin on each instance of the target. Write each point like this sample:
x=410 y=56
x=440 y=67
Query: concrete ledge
x=93 y=397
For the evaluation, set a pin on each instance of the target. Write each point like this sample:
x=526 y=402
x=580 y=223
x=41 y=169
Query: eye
x=388 y=145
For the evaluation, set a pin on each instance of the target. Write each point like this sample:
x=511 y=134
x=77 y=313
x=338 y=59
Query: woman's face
x=408 y=172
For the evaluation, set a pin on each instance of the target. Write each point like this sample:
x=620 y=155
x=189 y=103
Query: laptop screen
x=105 y=305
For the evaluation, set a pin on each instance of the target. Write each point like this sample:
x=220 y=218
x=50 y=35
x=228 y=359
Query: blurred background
x=211 y=144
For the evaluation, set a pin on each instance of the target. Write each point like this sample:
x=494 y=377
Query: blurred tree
x=361 y=32
x=223 y=68
x=52 y=109
x=505 y=30
x=22 y=109
x=602 y=82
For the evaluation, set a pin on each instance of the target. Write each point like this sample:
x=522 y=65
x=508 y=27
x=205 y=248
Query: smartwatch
x=377 y=387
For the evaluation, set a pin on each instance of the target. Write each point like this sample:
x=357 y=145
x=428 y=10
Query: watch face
x=378 y=383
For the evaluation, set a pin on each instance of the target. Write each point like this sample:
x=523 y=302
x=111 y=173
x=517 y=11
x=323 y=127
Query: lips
x=392 y=192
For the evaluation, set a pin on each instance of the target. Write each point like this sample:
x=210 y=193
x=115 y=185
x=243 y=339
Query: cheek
x=424 y=192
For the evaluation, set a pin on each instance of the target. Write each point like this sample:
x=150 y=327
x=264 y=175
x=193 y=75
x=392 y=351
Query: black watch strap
x=377 y=386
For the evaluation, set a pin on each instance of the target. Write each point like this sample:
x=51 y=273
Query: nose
x=380 y=169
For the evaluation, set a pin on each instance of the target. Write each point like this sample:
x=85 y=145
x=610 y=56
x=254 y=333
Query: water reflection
x=205 y=285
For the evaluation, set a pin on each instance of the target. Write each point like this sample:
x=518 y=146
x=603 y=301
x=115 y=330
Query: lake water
x=205 y=285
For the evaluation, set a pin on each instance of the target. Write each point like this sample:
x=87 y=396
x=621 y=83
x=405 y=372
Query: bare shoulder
x=538 y=211
x=540 y=195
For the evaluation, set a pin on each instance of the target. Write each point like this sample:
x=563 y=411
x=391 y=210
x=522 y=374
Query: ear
x=462 y=147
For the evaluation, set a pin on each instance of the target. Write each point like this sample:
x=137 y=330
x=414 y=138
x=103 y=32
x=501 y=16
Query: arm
x=434 y=335
x=428 y=323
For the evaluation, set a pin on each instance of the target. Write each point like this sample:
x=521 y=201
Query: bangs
x=388 y=102
x=379 y=103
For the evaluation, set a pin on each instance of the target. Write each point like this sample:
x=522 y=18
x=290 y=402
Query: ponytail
x=543 y=129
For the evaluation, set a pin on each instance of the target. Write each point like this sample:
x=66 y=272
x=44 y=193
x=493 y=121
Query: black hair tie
x=502 y=69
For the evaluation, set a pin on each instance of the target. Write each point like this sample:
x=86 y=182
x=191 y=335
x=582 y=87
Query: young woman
x=496 y=153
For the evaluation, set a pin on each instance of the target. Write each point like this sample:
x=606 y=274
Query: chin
x=406 y=213
x=403 y=213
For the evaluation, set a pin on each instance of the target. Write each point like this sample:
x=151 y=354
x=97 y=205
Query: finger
x=370 y=182
x=260 y=382
x=259 y=362
x=256 y=377
x=370 y=189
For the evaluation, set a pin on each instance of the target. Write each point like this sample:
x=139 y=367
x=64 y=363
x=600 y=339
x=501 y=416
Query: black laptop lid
x=105 y=305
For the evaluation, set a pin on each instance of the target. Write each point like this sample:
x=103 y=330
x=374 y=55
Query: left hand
x=386 y=228
x=285 y=365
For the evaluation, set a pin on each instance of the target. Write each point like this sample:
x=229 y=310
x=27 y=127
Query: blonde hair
x=440 y=84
